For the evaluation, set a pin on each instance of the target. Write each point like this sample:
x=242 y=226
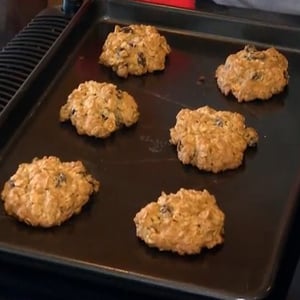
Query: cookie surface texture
x=47 y=192
x=184 y=222
x=211 y=140
x=99 y=109
x=251 y=74
x=134 y=49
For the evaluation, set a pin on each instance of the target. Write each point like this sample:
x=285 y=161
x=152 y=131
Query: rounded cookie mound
x=251 y=74
x=211 y=140
x=184 y=222
x=47 y=192
x=135 y=49
x=98 y=109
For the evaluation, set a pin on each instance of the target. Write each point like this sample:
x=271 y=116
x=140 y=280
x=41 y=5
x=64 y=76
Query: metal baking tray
x=134 y=165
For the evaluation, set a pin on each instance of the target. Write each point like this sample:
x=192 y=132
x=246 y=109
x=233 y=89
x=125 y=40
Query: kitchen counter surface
x=29 y=283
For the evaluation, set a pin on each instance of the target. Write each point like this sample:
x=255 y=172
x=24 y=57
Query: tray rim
x=33 y=254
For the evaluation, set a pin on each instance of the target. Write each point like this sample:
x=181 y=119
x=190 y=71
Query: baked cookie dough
x=98 y=109
x=184 y=222
x=47 y=192
x=135 y=49
x=211 y=140
x=251 y=74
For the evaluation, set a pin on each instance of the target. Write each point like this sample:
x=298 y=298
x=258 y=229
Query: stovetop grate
x=25 y=51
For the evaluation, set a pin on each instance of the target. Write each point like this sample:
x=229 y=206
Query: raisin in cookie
x=134 y=49
x=251 y=74
x=47 y=192
x=211 y=140
x=184 y=222
x=98 y=109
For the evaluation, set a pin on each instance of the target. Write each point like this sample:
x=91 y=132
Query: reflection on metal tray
x=136 y=164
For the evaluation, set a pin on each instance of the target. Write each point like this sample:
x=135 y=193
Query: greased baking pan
x=134 y=165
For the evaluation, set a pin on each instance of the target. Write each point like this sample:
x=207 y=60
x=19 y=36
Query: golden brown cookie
x=184 y=222
x=134 y=49
x=211 y=140
x=251 y=74
x=47 y=192
x=99 y=109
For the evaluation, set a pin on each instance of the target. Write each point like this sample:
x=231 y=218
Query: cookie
x=211 y=140
x=134 y=49
x=251 y=74
x=47 y=192
x=99 y=109
x=184 y=222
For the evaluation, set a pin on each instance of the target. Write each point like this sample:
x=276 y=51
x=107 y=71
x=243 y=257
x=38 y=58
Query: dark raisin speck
x=219 y=122
x=73 y=111
x=179 y=146
x=119 y=94
x=141 y=59
x=60 y=179
x=131 y=44
x=126 y=29
x=104 y=117
x=83 y=173
x=256 y=76
x=11 y=183
x=165 y=209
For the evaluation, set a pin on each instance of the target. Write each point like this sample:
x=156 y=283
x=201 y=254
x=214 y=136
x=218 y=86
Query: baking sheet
x=136 y=164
